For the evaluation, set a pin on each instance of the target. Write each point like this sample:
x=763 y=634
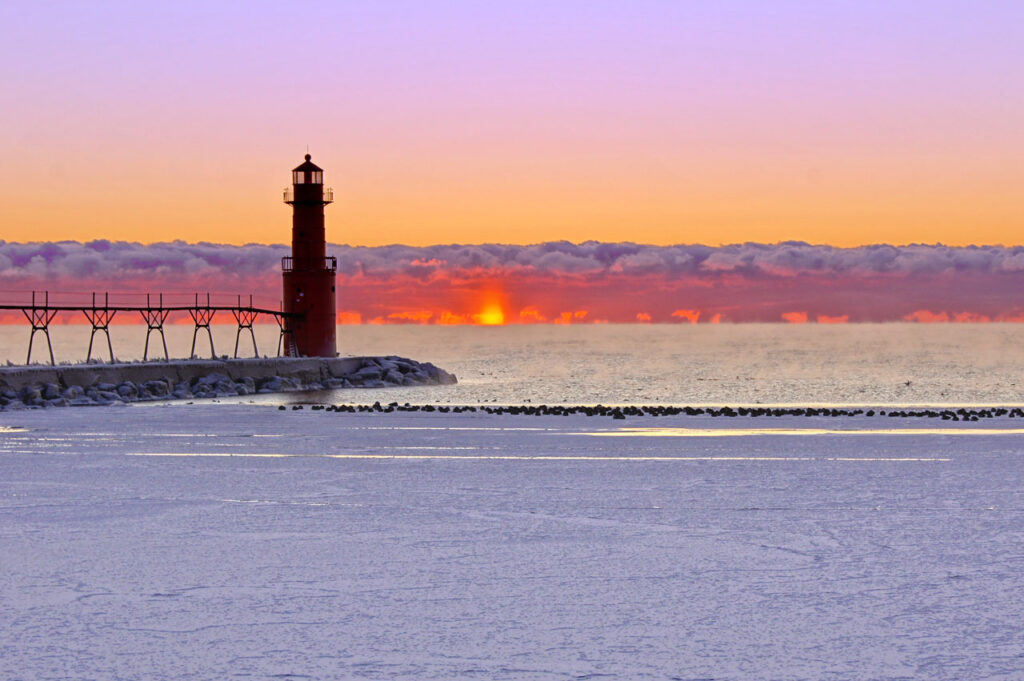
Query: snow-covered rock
x=125 y=383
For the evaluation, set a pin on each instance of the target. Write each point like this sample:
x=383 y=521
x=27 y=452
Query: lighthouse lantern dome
x=308 y=173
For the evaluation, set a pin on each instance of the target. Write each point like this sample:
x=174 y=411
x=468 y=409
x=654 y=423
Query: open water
x=877 y=364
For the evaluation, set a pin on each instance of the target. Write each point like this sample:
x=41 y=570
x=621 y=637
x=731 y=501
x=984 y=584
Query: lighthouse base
x=313 y=332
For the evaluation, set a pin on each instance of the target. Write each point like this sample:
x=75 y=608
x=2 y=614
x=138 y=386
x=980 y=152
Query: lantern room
x=308 y=185
x=308 y=173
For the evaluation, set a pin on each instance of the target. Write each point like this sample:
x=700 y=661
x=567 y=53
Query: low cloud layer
x=561 y=282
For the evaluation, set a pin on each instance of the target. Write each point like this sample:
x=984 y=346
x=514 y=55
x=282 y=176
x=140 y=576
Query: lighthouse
x=309 y=273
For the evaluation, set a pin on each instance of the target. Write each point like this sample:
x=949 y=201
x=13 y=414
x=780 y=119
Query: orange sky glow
x=469 y=123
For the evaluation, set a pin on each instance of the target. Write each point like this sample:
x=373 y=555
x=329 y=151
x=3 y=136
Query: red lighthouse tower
x=309 y=273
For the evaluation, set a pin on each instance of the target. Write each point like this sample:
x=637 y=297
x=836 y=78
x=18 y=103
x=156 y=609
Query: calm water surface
x=655 y=364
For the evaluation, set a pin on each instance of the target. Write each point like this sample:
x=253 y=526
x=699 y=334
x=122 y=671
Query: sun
x=492 y=315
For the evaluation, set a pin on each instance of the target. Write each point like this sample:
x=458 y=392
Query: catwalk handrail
x=144 y=308
x=70 y=302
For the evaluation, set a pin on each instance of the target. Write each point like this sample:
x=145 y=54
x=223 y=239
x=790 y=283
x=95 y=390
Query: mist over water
x=639 y=364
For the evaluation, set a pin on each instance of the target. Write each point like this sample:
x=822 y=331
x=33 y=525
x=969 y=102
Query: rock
x=440 y=376
x=127 y=390
x=108 y=387
x=212 y=379
x=73 y=392
x=270 y=385
x=367 y=373
x=158 y=388
x=51 y=391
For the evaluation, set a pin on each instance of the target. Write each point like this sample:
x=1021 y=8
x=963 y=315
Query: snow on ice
x=213 y=541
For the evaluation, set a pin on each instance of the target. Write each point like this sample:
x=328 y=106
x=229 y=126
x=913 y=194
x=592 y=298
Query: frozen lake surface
x=239 y=541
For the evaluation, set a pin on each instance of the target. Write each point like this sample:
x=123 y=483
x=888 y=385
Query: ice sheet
x=214 y=541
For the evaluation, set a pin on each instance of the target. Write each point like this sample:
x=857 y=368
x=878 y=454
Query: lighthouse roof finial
x=308 y=165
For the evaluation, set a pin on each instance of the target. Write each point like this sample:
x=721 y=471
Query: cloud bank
x=562 y=282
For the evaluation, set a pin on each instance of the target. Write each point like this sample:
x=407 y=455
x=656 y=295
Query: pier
x=41 y=308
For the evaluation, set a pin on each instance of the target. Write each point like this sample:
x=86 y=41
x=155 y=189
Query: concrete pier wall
x=303 y=369
x=81 y=384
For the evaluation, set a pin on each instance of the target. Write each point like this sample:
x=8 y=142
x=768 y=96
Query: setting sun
x=492 y=315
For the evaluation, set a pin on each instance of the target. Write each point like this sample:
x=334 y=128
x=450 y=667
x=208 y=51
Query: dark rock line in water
x=960 y=414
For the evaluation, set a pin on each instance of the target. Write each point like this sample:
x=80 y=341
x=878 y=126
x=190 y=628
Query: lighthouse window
x=318 y=177
x=298 y=177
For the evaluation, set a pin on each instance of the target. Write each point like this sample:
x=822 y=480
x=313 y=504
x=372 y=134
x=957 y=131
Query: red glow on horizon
x=573 y=317
x=691 y=316
x=349 y=317
x=795 y=317
x=531 y=315
x=927 y=317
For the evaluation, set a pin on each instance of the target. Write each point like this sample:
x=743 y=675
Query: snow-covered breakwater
x=90 y=384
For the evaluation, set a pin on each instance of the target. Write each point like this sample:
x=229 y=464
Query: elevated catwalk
x=41 y=308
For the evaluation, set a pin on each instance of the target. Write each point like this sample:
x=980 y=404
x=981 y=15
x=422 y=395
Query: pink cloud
x=546 y=282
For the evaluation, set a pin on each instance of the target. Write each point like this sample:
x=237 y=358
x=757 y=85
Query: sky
x=838 y=123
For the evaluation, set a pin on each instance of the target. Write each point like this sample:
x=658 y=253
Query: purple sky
x=664 y=122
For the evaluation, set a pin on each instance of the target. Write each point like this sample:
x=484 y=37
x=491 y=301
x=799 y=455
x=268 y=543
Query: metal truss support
x=286 y=332
x=245 y=317
x=155 y=318
x=202 y=316
x=100 y=318
x=40 y=318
